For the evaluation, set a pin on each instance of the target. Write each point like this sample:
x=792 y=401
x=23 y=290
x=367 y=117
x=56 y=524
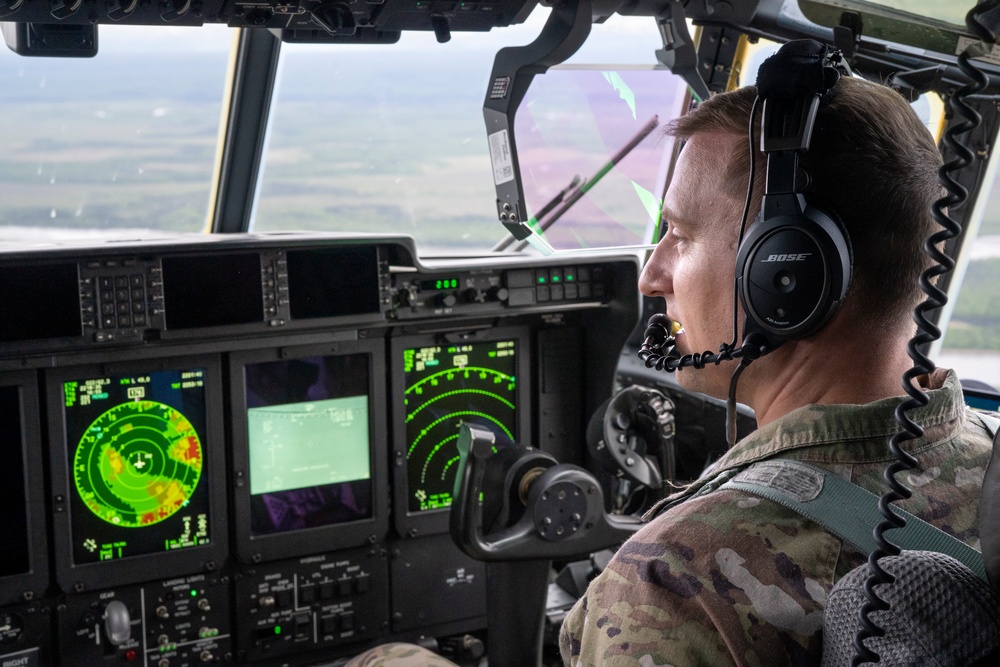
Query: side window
x=971 y=342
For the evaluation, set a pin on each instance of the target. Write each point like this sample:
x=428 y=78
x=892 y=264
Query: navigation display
x=447 y=386
x=308 y=435
x=137 y=450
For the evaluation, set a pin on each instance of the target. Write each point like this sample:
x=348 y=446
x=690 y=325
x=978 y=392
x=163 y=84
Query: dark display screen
x=212 y=290
x=447 y=386
x=14 y=556
x=308 y=434
x=333 y=282
x=138 y=461
x=39 y=302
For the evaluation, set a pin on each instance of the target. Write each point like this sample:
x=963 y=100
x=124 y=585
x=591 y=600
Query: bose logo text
x=790 y=257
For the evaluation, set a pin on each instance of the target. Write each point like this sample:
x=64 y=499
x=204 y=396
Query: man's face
x=693 y=266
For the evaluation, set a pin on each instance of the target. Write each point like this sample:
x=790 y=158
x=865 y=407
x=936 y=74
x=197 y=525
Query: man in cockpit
x=720 y=577
x=723 y=577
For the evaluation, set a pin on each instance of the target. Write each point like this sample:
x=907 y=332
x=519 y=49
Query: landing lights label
x=447 y=386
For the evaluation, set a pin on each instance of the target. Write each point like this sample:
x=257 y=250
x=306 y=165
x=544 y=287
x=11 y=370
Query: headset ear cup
x=792 y=273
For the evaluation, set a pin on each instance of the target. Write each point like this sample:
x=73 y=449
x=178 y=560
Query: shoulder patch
x=801 y=483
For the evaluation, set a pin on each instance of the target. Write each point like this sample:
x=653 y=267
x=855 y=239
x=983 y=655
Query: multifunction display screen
x=137 y=453
x=447 y=386
x=308 y=434
x=14 y=556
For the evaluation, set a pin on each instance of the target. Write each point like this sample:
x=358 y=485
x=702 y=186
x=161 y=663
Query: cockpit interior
x=262 y=260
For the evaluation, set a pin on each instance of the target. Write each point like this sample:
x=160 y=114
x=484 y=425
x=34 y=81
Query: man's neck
x=814 y=371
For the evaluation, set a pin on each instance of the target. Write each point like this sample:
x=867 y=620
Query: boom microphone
x=659 y=349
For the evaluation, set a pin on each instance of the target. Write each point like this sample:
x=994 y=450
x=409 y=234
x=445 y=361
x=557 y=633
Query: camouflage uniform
x=729 y=578
x=399 y=655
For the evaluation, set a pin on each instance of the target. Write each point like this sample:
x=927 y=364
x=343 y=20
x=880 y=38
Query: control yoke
x=563 y=514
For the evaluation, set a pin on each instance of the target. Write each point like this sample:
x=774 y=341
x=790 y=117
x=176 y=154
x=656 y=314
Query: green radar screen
x=447 y=386
x=138 y=464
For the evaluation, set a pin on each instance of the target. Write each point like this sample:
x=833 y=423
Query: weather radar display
x=447 y=386
x=137 y=463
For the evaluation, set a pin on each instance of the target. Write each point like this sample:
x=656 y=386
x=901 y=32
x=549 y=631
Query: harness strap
x=845 y=509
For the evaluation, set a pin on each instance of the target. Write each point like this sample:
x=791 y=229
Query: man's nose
x=655 y=279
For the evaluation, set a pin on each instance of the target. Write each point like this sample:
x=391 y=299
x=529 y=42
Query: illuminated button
x=569 y=274
x=307 y=594
x=556 y=275
x=362 y=584
x=344 y=586
x=542 y=278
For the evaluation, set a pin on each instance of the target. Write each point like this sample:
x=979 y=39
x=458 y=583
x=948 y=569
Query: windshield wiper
x=564 y=200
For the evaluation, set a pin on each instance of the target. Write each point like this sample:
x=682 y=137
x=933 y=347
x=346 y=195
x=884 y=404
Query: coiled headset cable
x=927 y=332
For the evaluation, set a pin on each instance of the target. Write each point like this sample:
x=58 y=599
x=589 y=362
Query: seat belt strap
x=845 y=509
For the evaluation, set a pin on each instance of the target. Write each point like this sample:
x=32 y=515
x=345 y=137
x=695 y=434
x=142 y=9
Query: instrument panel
x=241 y=450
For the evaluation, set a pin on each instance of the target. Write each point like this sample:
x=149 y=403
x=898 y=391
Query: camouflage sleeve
x=704 y=585
x=399 y=655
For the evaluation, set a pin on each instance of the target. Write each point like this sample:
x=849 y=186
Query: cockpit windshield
x=119 y=145
x=369 y=138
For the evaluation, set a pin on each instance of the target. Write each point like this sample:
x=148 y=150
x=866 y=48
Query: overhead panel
x=341 y=17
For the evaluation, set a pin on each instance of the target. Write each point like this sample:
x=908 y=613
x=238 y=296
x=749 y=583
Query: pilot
x=724 y=577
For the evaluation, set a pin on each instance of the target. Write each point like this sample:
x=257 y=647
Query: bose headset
x=794 y=265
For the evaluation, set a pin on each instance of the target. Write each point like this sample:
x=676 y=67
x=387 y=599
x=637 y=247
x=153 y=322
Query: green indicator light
x=555 y=279
x=454 y=283
x=541 y=280
x=569 y=277
x=277 y=629
x=194 y=593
